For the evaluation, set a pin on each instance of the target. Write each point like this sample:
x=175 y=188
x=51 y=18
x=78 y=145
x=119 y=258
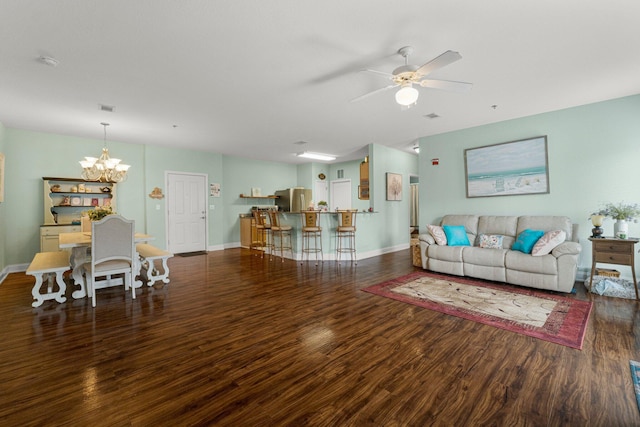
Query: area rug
x=635 y=373
x=544 y=315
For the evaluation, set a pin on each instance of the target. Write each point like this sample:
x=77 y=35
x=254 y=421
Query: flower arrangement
x=99 y=212
x=621 y=210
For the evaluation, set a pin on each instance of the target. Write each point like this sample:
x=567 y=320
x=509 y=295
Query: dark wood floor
x=235 y=340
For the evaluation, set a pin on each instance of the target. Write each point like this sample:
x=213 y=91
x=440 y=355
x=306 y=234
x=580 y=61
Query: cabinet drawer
x=624 y=248
x=615 y=258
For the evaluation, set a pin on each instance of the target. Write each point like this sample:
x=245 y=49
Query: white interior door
x=186 y=212
x=340 y=194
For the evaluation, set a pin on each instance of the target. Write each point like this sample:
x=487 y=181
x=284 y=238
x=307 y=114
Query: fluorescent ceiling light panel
x=316 y=156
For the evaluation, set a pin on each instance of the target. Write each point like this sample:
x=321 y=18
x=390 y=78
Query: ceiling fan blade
x=380 y=73
x=446 y=85
x=445 y=59
x=366 y=95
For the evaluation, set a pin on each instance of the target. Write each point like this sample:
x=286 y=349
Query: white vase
x=621 y=229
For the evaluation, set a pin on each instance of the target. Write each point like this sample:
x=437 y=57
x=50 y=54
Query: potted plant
x=99 y=212
x=323 y=205
x=622 y=212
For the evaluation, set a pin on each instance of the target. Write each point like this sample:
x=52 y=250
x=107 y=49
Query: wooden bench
x=149 y=254
x=44 y=267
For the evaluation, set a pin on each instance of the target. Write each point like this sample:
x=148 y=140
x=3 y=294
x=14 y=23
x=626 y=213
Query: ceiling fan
x=407 y=75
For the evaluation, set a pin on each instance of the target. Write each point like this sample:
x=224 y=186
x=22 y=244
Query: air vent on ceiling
x=108 y=108
x=431 y=116
x=300 y=143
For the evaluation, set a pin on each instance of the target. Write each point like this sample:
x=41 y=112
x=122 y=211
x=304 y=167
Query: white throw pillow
x=491 y=241
x=438 y=234
x=548 y=242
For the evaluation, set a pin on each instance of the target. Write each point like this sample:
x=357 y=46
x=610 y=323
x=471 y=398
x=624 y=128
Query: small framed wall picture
x=214 y=190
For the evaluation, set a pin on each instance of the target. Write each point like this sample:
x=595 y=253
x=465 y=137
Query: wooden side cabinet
x=613 y=251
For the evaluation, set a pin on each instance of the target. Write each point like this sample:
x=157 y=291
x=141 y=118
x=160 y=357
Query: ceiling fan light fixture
x=407 y=95
x=316 y=156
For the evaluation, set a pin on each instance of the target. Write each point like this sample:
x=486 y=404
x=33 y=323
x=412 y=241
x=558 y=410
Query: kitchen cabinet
x=49 y=236
x=66 y=198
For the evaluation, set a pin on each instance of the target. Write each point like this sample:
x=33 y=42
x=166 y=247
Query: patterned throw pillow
x=525 y=241
x=548 y=242
x=491 y=241
x=438 y=234
x=456 y=235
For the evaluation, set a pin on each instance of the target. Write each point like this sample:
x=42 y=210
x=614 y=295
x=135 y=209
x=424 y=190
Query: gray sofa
x=555 y=271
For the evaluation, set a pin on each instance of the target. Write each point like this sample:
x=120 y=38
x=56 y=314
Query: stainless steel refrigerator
x=293 y=199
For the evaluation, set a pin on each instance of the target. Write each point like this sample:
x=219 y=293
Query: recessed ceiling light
x=316 y=156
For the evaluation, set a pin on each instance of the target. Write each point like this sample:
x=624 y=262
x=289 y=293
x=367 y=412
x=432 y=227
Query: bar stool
x=283 y=232
x=311 y=228
x=263 y=239
x=346 y=230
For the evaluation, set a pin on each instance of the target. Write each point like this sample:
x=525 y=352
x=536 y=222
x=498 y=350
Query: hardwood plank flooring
x=236 y=340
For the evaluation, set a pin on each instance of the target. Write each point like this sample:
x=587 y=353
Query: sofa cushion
x=548 y=242
x=484 y=257
x=490 y=241
x=526 y=240
x=546 y=223
x=470 y=223
x=438 y=234
x=456 y=235
x=518 y=261
x=446 y=253
x=505 y=226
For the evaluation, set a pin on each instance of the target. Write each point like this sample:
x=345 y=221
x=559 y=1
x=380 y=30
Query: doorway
x=186 y=212
x=340 y=194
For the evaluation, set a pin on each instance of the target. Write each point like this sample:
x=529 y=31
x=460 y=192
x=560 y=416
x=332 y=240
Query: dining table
x=79 y=242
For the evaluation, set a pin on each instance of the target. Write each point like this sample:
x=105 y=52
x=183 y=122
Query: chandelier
x=104 y=168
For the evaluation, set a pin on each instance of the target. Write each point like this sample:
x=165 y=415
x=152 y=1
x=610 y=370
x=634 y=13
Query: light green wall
x=593 y=155
x=240 y=175
x=160 y=160
x=393 y=214
x=3 y=216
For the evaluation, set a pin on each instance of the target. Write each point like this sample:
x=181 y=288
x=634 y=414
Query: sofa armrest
x=428 y=238
x=566 y=248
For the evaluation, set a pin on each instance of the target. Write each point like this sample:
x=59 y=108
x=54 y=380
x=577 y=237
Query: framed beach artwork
x=394 y=186
x=508 y=169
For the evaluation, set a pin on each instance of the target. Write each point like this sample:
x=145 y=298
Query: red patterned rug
x=544 y=315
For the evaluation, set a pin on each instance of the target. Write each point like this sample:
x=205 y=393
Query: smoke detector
x=48 y=60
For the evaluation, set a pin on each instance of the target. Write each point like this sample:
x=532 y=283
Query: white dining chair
x=112 y=252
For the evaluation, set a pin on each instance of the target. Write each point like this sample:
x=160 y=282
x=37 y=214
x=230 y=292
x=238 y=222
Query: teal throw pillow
x=456 y=235
x=525 y=241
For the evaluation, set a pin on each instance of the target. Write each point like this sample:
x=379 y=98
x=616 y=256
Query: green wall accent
x=593 y=153
x=3 y=216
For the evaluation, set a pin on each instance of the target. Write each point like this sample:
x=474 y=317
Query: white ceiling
x=251 y=78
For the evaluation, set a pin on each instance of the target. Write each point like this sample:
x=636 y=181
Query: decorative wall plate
x=322 y=176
